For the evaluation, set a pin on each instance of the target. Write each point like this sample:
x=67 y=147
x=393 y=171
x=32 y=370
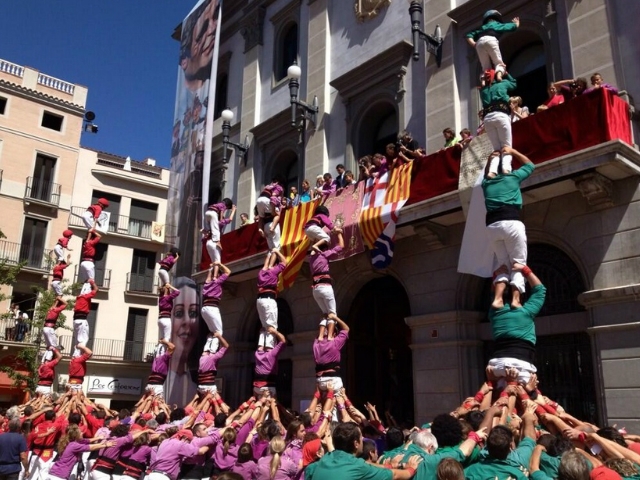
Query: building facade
x=420 y=339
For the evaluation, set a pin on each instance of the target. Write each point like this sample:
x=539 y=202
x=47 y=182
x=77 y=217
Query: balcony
x=141 y=284
x=118 y=224
x=10 y=331
x=102 y=278
x=33 y=258
x=42 y=192
x=114 y=350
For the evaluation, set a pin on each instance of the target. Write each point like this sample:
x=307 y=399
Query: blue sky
x=121 y=50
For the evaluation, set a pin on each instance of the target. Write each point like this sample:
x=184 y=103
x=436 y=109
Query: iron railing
x=118 y=350
x=102 y=278
x=117 y=224
x=12 y=331
x=15 y=253
x=142 y=283
x=42 y=191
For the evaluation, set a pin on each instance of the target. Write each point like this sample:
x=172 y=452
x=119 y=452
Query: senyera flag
x=384 y=196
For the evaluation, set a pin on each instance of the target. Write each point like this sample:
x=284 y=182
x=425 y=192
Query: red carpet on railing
x=581 y=123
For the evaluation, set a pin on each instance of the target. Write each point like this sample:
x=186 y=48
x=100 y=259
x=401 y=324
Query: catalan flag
x=295 y=243
x=383 y=198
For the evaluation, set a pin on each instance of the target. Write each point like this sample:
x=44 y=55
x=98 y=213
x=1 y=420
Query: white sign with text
x=111 y=385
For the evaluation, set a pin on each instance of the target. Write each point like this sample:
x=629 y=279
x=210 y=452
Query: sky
x=121 y=50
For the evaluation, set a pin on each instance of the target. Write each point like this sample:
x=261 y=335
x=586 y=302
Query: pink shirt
x=269 y=278
x=64 y=465
x=170 y=454
x=267 y=361
x=328 y=351
x=226 y=462
x=247 y=469
x=287 y=470
x=213 y=289
x=319 y=263
x=209 y=362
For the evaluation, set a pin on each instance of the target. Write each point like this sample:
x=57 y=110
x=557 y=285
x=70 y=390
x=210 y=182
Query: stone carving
x=596 y=188
x=368 y=9
x=252 y=27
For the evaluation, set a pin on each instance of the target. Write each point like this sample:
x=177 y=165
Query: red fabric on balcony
x=586 y=121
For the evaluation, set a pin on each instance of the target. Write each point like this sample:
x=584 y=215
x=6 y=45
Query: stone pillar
x=447 y=361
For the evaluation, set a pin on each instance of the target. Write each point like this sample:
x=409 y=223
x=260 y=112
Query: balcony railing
x=12 y=331
x=117 y=224
x=56 y=83
x=42 y=191
x=102 y=278
x=118 y=350
x=35 y=258
x=142 y=283
x=11 y=68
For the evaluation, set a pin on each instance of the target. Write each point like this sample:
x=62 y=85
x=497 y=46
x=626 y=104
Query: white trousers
x=157 y=476
x=509 y=242
x=87 y=219
x=497 y=125
x=268 y=312
x=488 y=50
x=263 y=204
x=257 y=391
x=80 y=335
x=204 y=389
x=316 y=233
x=157 y=390
x=266 y=340
x=211 y=223
x=45 y=390
x=56 y=285
x=324 y=381
x=506 y=164
x=50 y=337
x=87 y=271
x=212 y=318
x=214 y=251
x=59 y=251
x=98 y=475
x=272 y=235
x=38 y=468
x=164 y=328
x=164 y=277
x=325 y=298
x=500 y=366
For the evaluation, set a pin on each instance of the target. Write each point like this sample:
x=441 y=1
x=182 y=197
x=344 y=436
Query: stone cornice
x=454 y=316
x=607 y=296
x=40 y=97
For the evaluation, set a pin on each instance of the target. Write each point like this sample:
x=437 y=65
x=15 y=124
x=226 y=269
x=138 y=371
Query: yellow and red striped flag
x=294 y=242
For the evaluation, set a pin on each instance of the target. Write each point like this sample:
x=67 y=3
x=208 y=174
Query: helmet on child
x=491 y=15
x=104 y=202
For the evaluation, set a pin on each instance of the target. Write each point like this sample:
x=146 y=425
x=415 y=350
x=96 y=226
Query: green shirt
x=451 y=142
x=518 y=323
x=342 y=465
x=429 y=465
x=497 y=92
x=504 y=189
x=492 y=27
x=515 y=466
x=471 y=459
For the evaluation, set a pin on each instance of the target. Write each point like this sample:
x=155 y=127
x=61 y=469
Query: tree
x=8 y=271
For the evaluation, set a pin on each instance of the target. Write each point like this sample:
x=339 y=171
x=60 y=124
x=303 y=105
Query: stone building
x=419 y=338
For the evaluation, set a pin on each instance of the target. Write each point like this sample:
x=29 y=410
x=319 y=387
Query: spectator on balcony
x=87 y=266
x=58 y=275
x=340 y=181
x=78 y=367
x=305 y=191
x=185 y=331
x=50 y=322
x=168 y=294
x=571 y=88
x=244 y=219
x=349 y=178
x=518 y=112
x=47 y=371
x=62 y=245
x=211 y=295
x=265 y=373
x=22 y=327
x=465 y=138
x=407 y=145
x=91 y=216
x=227 y=220
x=166 y=264
x=450 y=138
x=379 y=165
x=81 y=311
x=267 y=293
x=597 y=82
x=364 y=165
x=554 y=98
x=322 y=288
x=14 y=315
x=497 y=124
x=328 y=187
x=294 y=197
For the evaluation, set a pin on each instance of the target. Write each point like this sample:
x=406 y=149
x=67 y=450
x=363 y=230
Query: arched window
x=286 y=51
x=285 y=167
x=379 y=126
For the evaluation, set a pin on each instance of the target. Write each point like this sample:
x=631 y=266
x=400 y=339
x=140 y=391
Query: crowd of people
x=508 y=430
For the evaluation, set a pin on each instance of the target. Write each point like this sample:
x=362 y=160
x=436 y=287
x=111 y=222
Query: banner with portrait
x=192 y=130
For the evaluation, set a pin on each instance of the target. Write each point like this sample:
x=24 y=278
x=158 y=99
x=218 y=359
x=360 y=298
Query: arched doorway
x=564 y=361
x=378 y=127
x=285 y=167
x=378 y=356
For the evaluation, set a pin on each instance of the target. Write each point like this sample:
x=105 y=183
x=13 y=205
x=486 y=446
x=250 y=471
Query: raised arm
x=343 y=326
x=340 y=239
x=224 y=343
x=523 y=159
x=224 y=269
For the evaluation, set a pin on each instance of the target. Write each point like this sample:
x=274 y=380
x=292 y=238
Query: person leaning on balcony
x=92 y=214
x=597 y=82
x=554 y=98
x=571 y=88
x=81 y=311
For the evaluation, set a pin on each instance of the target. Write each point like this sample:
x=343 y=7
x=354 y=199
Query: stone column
x=447 y=361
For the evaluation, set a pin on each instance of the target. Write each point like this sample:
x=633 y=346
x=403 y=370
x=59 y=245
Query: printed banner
x=111 y=385
x=345 y=208
x=190 y=151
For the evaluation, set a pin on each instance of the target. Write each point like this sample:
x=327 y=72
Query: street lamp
x=433 y=42
x=241 y=148
x=309 y=112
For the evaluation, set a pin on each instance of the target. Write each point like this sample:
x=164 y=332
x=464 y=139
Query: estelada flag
x=384 y=196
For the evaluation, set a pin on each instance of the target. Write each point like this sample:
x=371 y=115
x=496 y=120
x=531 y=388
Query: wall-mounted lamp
x=309 y=112
x=433 y=42
x=241 y=148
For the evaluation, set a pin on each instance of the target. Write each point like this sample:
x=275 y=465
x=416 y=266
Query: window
x=41 y=186
x=92 y=319
x=3 y=105
x=32 y=245
x=222 y=87
x=142 y=214
x=285 y=168
x=52 y=121
x=142 y=275
x=100 y=262
x=136 y=329
x=114 y=207
x=286 y=50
